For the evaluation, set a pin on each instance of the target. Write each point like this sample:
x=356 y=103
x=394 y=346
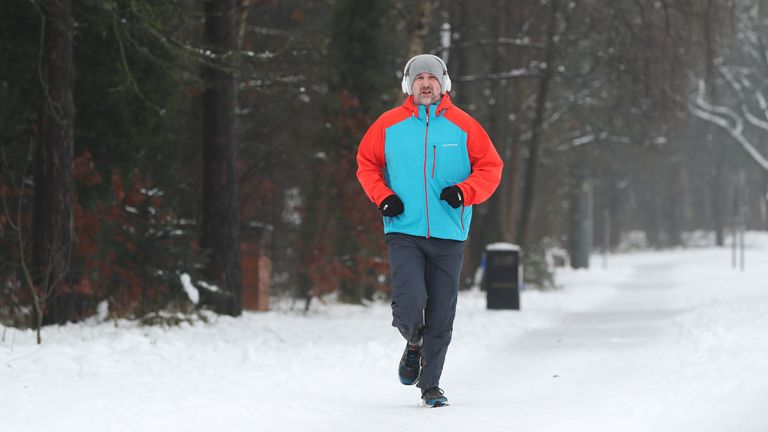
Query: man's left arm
x=486 y=167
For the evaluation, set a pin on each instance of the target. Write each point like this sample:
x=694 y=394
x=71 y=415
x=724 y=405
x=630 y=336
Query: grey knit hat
x=426 y=63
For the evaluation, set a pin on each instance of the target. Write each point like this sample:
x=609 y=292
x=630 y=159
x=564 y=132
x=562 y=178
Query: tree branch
x=705 y=111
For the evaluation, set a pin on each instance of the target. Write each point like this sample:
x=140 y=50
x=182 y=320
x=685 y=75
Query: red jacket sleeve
x=371 y=162
x=486 y=166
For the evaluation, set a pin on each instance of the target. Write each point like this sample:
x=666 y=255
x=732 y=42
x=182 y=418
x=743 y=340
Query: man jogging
x=425 y=164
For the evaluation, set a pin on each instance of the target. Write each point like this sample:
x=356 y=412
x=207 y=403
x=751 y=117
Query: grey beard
x=425 y=100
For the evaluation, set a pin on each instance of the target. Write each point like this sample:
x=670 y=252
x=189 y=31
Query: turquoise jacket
x=416 y=151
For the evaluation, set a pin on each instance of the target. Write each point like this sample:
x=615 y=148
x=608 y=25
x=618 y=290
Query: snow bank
x=667 y=341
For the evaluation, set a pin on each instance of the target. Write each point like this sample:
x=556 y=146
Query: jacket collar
x=443 y=104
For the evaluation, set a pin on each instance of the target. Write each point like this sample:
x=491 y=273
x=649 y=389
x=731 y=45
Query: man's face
x=426 y=89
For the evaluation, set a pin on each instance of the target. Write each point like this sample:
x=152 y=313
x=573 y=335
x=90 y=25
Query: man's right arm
x=371 y=162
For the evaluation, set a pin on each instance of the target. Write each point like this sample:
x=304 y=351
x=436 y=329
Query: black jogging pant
x=425 y=287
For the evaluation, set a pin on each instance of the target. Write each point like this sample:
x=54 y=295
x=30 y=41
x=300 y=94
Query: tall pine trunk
x=53 y=200
x=220 y=214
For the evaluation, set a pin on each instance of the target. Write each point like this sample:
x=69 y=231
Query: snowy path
x=629 y=361
x=672 y=341
x=593 y=365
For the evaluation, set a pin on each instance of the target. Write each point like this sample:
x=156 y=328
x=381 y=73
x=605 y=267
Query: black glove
x=391 y=206
x=453 y=196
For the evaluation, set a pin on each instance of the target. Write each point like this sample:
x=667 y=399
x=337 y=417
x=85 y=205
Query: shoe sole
x=404 y=382
x=415 y=381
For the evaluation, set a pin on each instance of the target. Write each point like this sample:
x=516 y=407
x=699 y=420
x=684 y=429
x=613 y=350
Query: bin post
x=503 y=275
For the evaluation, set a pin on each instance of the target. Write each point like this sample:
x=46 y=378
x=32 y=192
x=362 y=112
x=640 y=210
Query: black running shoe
x=410 y=365
x=434 y=397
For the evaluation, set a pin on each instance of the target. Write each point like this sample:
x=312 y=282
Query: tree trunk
x=220 y=215
x=498 y=121
x=54 y=190
x=421 y=29
x=536 y=131
x=465 y=19
x=716 y=197
x=507 y=132
x=716 y=179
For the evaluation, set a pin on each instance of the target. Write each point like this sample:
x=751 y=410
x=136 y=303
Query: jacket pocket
x=454 y=161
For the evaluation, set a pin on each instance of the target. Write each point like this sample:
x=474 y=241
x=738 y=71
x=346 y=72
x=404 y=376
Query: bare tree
x=745 y=85
x=536 y=128
x=12 y=216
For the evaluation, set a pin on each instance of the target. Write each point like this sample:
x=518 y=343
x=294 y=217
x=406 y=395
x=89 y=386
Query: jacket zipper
x=434 y=159
x=461 y=218
x=426 y=190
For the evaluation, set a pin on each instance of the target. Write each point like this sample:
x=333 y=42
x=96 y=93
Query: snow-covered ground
x=663 y=341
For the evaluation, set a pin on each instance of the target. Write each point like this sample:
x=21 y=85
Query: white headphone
x=407 y=85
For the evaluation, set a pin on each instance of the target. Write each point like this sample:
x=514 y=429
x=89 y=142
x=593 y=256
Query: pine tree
x=220 y=215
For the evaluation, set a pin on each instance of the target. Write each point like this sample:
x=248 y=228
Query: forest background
x=146 y=140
